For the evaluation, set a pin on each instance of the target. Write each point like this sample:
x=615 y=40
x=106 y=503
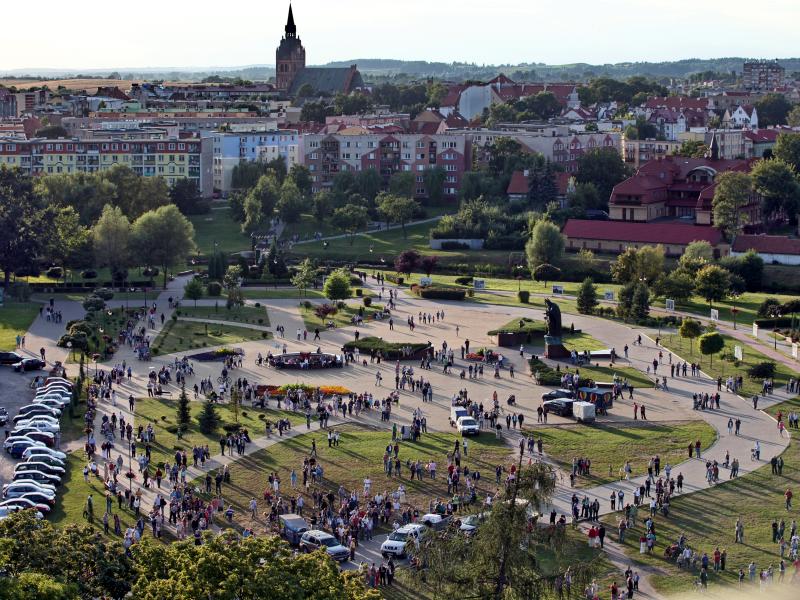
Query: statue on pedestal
x=553 y=347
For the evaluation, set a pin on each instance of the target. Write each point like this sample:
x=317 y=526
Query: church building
x=291 y=72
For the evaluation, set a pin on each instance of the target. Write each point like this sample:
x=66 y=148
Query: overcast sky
x=201 y=33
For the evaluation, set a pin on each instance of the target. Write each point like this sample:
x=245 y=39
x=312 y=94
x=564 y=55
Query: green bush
x=93 y=303
x=258 y=305
x=214 y=289
x=451 y=245
x=367 y=301
x=438 y=293
x=524 y=296
x=89 y=274
x=464 y=280
x=547 y=375
x=359 y=292
x=394 y=278
x=55 y=272
x=104 y=293
x=762 y=370
x=390 y=350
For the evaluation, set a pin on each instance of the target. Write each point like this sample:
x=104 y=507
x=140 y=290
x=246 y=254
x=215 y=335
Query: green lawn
x=708 y=518
x=307 y=226
x=608 y=447
x=723 y=365
x=218 y=226
x=105 y=325
x=179 y=336
x=606 y=374
x=243 y=314
x=747 y=304
x=359 y=455
x=81 y=296
x=280 y=294
x=342 y=318
x=581 y=341
x=161 y=413
x=15 y=319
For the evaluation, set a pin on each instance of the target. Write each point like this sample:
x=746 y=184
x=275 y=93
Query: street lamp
x=734 y=310
x=69 y=345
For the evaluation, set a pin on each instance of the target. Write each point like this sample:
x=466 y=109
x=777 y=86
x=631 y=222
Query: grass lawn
x=606 y=374
x=747 y=304
x=280 y=294
x=243 y=314
x=179 y=336
x=161 y=412
x=81 y=296
x=359 y=455
x=723 y=365
x=15 y=319
x=342 y=318
x=218 y=226
x=307 y=226
x=581 y=341
x=609 y=447
x=708 y=518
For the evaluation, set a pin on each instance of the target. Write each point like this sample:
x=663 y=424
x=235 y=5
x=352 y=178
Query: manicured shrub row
x=438 y=293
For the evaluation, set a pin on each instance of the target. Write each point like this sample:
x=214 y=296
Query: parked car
x=313 y=539
x=8 y=442
x=556 y=394
x=31 y=475
x=58 y=403
x=46 y=437
x=39 y=466
x=47 y=459
x=293 y=527
x=42 y=423
x=62 y=395
x=15 y=489
x=467 y=426
x=36 y=411
x=54 y=387
x=9 y=358
x=456 y=412
x=396 y=543
x=27 y=502
x=39 y=498
x=470 y=523
x=29 y=364
x=42 y=450
x=7 y=511
x=55 y=379
x=561 y=407
x=436 y=521
x=18 y=447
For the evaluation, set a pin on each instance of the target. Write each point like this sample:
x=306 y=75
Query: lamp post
x=69 y=345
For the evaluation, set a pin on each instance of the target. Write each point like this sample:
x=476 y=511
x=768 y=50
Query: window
x=420 y=156
x=419 y=179
x=420 y=167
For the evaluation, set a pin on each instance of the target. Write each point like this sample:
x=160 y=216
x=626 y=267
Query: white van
x=456 y=412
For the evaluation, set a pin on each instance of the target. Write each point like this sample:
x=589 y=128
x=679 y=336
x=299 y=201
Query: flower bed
x=483 y=354
x=218 y=354
x=275 y=391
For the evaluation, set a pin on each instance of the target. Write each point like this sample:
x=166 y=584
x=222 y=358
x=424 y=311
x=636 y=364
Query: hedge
x=438 y=293
x=524 y=296
x=773 y=323
x=394 y=278
x=464 y=280
x=451 y=245
x=547 y=375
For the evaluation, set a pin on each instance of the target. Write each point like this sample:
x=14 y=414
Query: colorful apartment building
x=229 y=148
x=327 y=155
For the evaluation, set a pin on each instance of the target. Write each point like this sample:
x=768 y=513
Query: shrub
x=451 y=245
x=464 y=280
x=438 y=293
x=150 y=271
x=214 y=288
x=55 y=272
x=264 y=334
x=230 y=427
x=355 y=280
x=359 y=292
x=367 y=301
x=89 y=274
x=394 y=278
x=524 y=296
x=104 y=293
x=93 y=303
x=260 y=321
x=547 y=375
x=258 y=305
x=762 y=370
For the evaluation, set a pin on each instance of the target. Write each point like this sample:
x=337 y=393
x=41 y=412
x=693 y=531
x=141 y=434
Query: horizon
x=444 y=36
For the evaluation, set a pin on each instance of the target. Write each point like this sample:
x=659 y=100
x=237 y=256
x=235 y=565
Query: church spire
x=290 y=29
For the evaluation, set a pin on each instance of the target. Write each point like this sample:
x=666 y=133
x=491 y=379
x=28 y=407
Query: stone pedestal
x=554 y=349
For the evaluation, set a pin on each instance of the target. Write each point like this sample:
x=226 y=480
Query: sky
x=210 y=33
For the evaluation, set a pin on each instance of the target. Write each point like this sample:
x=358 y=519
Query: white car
x=15 y=489
x=64 y=399
x=39 y=466
x=8 y=509
x=43 y=450
x=10 y=441
x=41 y=424
x=38 y=476
x=51 y=402
x=37 y=409
x=396 y=543
x=54 y=387
x=47 y=459
x=467 y=426
x=60 y=380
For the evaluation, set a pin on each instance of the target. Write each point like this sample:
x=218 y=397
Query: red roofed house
x=519 y=186
x=759 y=142
x=744 y=115
x=772 y=248
x=615 y=236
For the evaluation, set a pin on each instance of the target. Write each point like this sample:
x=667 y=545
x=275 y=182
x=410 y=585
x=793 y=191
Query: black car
x=29 y=364
x=9 y=358
x=556 y=394
x=561 y=407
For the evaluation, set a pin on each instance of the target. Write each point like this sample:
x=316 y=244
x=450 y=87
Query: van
x=293 y=527
x=456 y=412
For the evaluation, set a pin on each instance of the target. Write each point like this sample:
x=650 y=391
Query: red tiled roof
x=767 y=244
x=762 y=136
x=518 y=184
x=677 y=102
x=453 y=95
x=641 y=233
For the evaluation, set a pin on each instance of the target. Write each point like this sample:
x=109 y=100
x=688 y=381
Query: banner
x=755 y=331
x=670 y=305
x=479 y=284
x=714 y=314
x=558 y=289
x=608 y=295
x=737 y=352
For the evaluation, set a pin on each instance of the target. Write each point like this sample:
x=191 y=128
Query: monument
x=553 y=347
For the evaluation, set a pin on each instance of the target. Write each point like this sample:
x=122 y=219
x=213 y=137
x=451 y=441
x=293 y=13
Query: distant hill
x=376 y=69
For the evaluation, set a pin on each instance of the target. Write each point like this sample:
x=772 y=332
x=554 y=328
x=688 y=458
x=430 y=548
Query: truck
x=583 y=411
x=456 y=412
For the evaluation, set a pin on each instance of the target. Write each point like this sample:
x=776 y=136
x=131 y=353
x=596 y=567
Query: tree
x=233 y=276
x=542 y=188
x=323 y=311
x=402 y=183
x=51 y=132
x=433 y=180
x=768 y=307
x=625 y=300
x=112 y=239
x=396 y=209
x=587 y=197
x=193 y=290
x=546 y=272
x=186 y=196
x=301 y=177
x=699 y=250
x=587 y=297
x=208 y=419
x=640 y=306
x=275 y=262
x=692 y=149
x=68 y=241
x=337 y=285
x=184 y=416
x=604 y=168
x=749 y=266
x=217 y=265
x=772 y=110
x=304 y=276
x=368 y=184
x=712 y=283
x=314 y=112
x=322 y=206
x=428 y=264
x=644 y=264
x=407 y=261
x=677 y=285
x=135 y=194
x=710 y=344
x=291 y=202
x=163 y=237
x=259 y=204
x=87 y=193
x=787 y=149
x=793 y=118
x=351 y=218
x=690 y=329
x=731 y=195
x=546 y=244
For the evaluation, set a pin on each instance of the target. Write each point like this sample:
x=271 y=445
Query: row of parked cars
x=34 y=439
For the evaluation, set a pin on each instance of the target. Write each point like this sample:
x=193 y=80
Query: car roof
x=410 y=527
x=317 y=533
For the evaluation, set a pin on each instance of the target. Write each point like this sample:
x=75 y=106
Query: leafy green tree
x=208 y=420
x=692 y=149
x=305 y=275
x=37 y=585
x=193 y=290
x=542 y=188
x=710 y=344
x=546 y=272
x=68 y=241
x=163 y=237
x=699 y=250
x=793 y=118
x=253 y=214
x=184 y=416
x=275 y=262
x=645 y=264
x=772 y=110
x=368 y=184
x=112 y=237
x=546 y=244
x=640 y=306
x=259 y=204
x=217 y=265
x=301 y=177
x=134 y=194
x=402 y=183
x=677 y=285
x=587 y=297
x=396 y=209
x=731 y=195
x=337 y=285
x=749 y=266
x=322 y=206
x=768 y=307
x=351 y=219
x=713 y=283
x=232 y=278
x=433 y=180
x=604 y=168
x=315 y=112
x=186 y=196
x=690 y=329
x=787 y=149
x=85 y=192
x=587 y=197
x=291 y=203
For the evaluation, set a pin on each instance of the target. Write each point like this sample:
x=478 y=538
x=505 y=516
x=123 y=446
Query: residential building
x=519 y=187
x=759 y=143
x=28 y=102
x=8 y=104
x=325 y=155
x=762 y=75
x=187 y=122
x=229 y=148
x=772 y=248
x=638 y=152
x=741 y=116
x=172 y=159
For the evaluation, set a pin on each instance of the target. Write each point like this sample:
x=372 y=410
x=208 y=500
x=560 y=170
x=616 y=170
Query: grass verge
x=179 y=336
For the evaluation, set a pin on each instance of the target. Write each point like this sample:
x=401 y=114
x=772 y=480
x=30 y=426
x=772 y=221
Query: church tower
x=290 y=57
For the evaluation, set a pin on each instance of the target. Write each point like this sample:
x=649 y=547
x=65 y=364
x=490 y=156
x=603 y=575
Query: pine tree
x=640 y=308
x=184 y=416
x=587 y=297
x=208 y=418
